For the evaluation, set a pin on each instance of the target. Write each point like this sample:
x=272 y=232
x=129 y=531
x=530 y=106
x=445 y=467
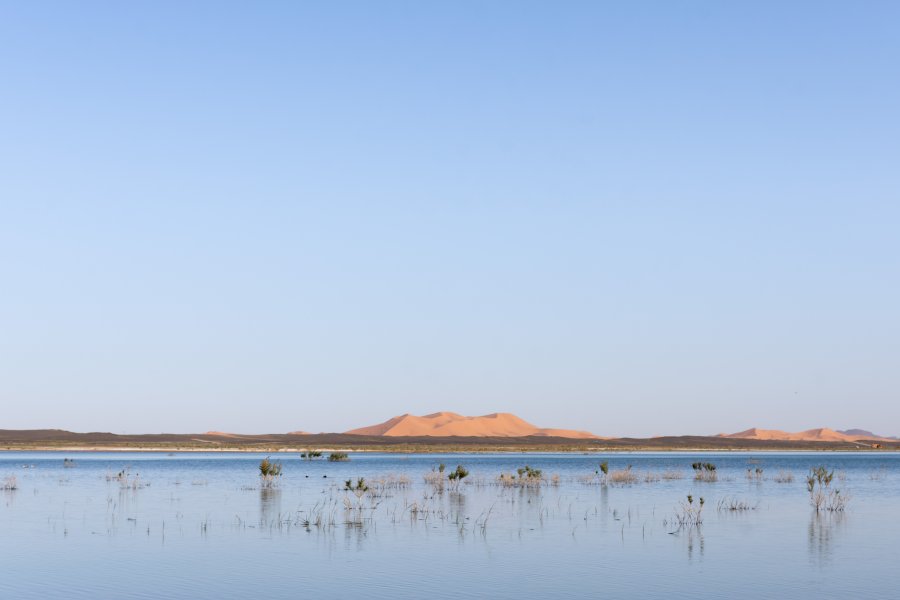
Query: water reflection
x=695 y=542
x=457 y=507
x=821 y=534
x=269 y=506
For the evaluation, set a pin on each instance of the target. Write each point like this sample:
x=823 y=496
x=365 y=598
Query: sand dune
x=822 y=434
x=445 y=424
x=866 y=434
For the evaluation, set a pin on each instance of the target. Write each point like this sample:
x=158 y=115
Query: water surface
x=201 y=525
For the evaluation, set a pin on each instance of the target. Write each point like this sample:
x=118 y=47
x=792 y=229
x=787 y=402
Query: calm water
x=200 y=526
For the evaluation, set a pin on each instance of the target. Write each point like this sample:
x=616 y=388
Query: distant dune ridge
x=864 y=433
x=447 y=424
x=810 y=435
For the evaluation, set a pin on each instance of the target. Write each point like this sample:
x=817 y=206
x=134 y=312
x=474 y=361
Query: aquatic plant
x=755 y=474
x=599 y=476
x=784 y=477
x=602 y=474
x=704 y=471
x=650 y=477
x=735 y=505
x=623 y=476
x=379 y=486
x=9 y=484
x=359 y=488
x=627 y=476
x=269 y=472
x=435 y=480
x=457 y=476
x=311 y=454
x=690 y=514
x=338 y=457
x=525 y=477
x=878 y=474
x=821 y=496
x=820 y=476
x=116 y=477
x=320 y=516
x=529 y=473
x=126 y=480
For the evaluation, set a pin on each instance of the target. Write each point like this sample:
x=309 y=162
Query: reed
x=269 y=472
x=627 y=476
x=435 y=480
x=359 y=488
x=784 y=477
x=9 y=484
x=524 y=477
x=821 y=495
x=389 y=482
x=622 y=476
x=457 y=476
x=755 y=474
x=690 y=513
x=735 y=505
x=878 y=474
x=338 y=457
x=126 y=480
x=704 y=471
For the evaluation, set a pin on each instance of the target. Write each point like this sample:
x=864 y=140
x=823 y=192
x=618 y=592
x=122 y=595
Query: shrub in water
x=269 y=472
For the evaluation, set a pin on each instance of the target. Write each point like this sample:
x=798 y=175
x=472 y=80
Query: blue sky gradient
x=633 y=218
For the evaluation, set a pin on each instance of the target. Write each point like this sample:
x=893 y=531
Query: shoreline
x=50 y=440
x=436 y=450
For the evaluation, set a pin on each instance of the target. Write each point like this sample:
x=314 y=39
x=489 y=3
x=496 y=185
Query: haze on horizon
x=669 y=218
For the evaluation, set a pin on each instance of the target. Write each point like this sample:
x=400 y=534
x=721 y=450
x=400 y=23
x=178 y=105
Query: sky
x=636 y=218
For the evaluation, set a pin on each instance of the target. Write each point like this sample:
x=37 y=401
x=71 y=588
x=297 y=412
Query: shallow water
x=199 y=525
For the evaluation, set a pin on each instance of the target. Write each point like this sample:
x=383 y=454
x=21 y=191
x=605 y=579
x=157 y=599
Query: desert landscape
x=448 y=431
x=459 y=300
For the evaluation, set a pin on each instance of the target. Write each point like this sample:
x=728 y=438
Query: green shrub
x=458 y=475
x=269 y=472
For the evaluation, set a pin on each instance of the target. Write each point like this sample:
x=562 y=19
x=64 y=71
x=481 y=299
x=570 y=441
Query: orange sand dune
x=445 y=424
x=810 y=435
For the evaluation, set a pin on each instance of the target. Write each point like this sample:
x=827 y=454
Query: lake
x=202 y=525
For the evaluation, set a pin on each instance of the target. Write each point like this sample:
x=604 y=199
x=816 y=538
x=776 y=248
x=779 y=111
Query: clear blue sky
x=634 y=218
